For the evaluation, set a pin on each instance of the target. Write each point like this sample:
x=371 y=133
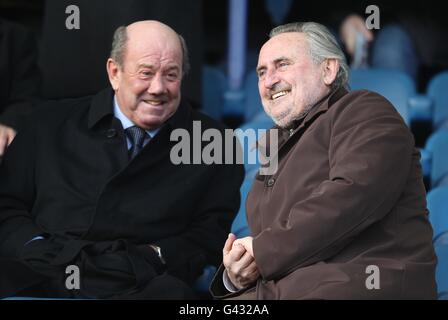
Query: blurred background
x=405 y=58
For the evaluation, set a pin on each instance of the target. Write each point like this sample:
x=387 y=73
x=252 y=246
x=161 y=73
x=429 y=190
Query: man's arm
x=370 y=159
x=17 y=195
x=24 y=81
x=188 y=253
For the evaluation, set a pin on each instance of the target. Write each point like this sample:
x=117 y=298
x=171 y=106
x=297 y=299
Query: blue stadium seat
x=253 y=102
x=395 y=86
x=436 y=149
x=260 y=122
x=214 y=86
x=240 y=227
x=438 y=211
x=278 y=10
x=261 y=118
x=438 y=91
x=442 y=269
x=438 y=216
x=203 y=282
x=421 y=108
x=425 y=161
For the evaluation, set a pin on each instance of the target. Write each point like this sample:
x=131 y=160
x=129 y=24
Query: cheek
x=262 y=93
x=136 y=86
x=261 y=89
x=139 y=88
x=174 y=89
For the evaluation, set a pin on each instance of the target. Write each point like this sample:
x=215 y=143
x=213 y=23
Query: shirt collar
x=125 y=122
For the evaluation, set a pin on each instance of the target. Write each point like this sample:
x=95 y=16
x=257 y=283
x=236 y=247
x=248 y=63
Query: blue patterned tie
x=137 y=136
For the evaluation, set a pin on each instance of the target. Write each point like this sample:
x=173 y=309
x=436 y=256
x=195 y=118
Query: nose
x=157 y=85
x=270 y=79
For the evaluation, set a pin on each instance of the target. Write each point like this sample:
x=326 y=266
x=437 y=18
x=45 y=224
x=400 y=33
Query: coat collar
x=100 y=107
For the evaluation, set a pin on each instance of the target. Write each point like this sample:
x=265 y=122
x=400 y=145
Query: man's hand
x=246 y=243
x=239 y=262
x=7 y=134
x=350 y=26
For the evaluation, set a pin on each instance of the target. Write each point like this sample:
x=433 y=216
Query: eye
x=172 y=76
x=283 y=64
x=146 y=74
x=261 y=73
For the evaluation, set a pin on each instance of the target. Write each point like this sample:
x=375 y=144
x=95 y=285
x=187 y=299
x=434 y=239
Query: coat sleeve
x=121 y=264
x=370 y=156
x=201 y=244
x=24 y=81
x=17 y=195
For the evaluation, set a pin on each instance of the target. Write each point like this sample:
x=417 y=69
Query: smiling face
x=289 y=82
x=147 y=85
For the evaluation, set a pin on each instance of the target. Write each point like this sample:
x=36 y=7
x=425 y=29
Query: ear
x=114 y=73
x=330 y=68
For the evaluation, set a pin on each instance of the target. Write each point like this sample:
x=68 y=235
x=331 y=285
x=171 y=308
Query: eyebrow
x=150 y=66
x=173 y=67
x=282 y=58
x=145 y=65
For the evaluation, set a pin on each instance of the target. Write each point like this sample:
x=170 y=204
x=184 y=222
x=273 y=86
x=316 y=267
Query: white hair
x=322 y=44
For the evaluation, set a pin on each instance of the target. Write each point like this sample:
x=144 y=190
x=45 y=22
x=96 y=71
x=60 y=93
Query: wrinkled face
x=289 y=81
x=148 y=84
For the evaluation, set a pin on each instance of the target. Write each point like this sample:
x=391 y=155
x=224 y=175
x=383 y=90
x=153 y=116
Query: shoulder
x=60 y=111
x=368 y=115
x=14 y=31
x=362 y=105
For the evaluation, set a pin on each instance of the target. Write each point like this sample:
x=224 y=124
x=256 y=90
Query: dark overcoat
x=68 y=177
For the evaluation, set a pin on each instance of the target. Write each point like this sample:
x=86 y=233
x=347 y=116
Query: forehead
x=167 y=50
x=290 y=44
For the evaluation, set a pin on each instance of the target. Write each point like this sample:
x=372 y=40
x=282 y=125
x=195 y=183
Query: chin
x=282 y=120
x=150 y=124
x=282 y=123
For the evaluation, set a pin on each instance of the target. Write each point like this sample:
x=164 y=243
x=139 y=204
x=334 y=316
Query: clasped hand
x=239 y=261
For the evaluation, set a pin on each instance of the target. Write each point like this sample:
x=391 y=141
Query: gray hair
x=323 y=45
x=120 y=40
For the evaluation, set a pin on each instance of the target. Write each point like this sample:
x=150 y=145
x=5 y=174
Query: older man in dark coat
x=344 y=216
x=90 y=187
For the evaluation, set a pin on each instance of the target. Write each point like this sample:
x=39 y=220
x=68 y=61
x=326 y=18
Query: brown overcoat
x=348 y=198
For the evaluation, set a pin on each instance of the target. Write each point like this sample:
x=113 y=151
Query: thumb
x=11 y=135
x=229 y=242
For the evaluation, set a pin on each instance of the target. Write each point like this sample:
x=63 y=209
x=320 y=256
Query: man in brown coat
x=344 y=216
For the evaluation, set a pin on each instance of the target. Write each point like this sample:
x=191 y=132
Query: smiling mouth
x=279 y=94
x=154 y=102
